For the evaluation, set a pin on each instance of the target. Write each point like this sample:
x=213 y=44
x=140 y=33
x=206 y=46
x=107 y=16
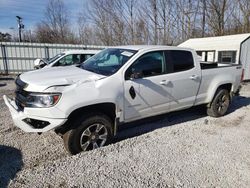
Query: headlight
x=42 y=100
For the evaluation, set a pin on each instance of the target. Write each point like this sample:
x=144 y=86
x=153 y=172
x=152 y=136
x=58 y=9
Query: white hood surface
x=41 y=79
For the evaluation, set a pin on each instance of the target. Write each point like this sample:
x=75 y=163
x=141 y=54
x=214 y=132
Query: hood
x=41 y=79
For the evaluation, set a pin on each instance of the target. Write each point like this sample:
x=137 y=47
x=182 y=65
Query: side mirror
x=42 y=64
x=136 y=75
x=39 y=63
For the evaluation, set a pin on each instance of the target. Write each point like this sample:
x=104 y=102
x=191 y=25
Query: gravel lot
x=182 y=149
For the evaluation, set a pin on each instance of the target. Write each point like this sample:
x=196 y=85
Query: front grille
x=20 y=93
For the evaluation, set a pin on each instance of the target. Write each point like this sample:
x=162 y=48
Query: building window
x=207 y=56
x=228 y=57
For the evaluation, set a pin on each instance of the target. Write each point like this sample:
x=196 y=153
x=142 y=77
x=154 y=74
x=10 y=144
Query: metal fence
x=18 y=57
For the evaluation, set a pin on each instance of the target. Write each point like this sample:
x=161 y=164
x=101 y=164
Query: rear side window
x=68 y=60
x=181 y=60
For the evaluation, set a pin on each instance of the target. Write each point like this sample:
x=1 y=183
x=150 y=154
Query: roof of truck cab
x=81 y=51
x=147 y=47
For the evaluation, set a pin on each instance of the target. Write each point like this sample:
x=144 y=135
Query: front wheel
x=91 y=132
x=220 y=103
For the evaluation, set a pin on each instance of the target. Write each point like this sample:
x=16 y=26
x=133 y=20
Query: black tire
x=95 y=130
x=220 y=103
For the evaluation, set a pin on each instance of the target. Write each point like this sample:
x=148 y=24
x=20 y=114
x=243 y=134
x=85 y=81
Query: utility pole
x=20 y=27
x=204 y=9
x=154 y=3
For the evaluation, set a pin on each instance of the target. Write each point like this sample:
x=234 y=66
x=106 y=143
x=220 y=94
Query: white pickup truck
x=86 y=104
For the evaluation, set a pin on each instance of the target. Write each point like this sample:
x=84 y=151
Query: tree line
x=121 y=22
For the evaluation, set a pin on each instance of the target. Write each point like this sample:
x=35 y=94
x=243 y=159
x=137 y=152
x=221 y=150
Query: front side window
x=69 y=60
x=227 y=57
x=150 y=64
x=181 y=60
x=108 y=61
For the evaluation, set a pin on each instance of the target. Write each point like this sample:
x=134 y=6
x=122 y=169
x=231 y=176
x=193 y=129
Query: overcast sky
x=32 y=12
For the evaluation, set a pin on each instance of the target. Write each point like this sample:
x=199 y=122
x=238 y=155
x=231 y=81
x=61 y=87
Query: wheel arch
x=108 y=109
x=226 y=86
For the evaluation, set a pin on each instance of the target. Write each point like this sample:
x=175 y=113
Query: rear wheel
x=91 y=132
x=220 y=103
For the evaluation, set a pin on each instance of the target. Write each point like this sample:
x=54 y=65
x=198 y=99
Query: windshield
x=51 y=60
x=108 y=61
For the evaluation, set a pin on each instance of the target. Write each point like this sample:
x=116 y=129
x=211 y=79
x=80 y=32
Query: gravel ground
x=182 y=149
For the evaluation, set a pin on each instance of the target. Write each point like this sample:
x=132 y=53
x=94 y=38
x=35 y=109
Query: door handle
x=193 y=77
x=164 y=82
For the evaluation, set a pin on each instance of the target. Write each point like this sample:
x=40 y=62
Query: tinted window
x=180 y=59
x=51 y=60
x=150 y=64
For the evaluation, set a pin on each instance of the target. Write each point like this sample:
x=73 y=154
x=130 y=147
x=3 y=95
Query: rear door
x=150 y=92
x=185 y=78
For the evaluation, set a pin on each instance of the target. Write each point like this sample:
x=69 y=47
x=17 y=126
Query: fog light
x=37 y=124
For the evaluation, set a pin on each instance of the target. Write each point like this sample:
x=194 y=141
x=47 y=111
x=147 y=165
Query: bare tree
x=5 y=37
x=216 y=15
x=245 y=9
x=150 y=12
x=204 y=9
x=155 y=16
x=86 y=31
x=102 y=21
x=163 y=11
x=129 y=18
x=56 y=25
x=117 y=22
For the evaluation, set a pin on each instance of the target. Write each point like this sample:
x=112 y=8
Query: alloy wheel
x=93 y=137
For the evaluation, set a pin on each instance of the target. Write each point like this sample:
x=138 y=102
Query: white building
x=224 y=49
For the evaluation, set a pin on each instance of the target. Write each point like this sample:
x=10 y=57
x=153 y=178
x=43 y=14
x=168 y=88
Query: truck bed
x=205 y=65
x=217 y=73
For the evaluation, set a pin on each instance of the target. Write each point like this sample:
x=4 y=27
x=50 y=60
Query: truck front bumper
x=30 y=123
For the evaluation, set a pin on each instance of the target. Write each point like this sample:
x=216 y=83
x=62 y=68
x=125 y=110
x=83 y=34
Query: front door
x=147 y=90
